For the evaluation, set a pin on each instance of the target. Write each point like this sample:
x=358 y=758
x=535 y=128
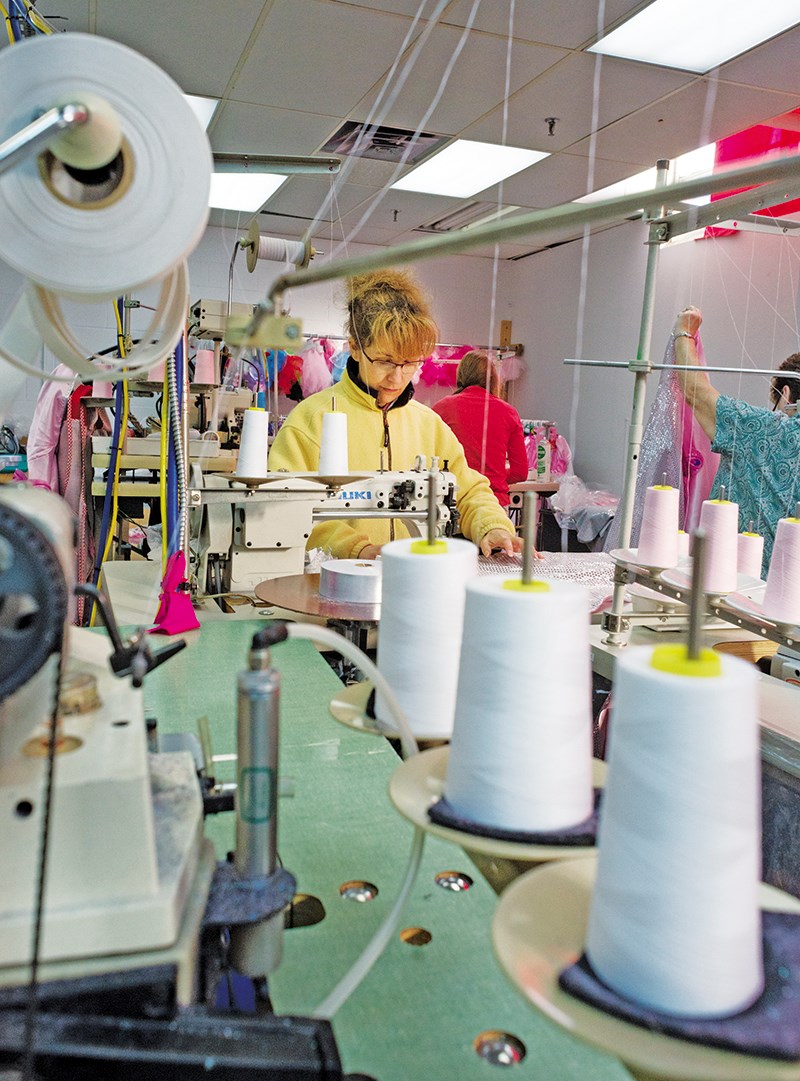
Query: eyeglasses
x=389 y=367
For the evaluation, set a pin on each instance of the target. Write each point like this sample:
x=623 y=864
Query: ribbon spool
x=275 y=250
x=355 y=581
x=91 y=230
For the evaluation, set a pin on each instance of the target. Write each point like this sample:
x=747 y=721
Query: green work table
x=417 y=1013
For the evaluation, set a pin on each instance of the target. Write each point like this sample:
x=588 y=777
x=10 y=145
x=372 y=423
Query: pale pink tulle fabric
x=675 y=450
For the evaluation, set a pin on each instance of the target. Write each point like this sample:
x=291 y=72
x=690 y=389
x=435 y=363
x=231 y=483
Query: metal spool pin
x=432 y=509
x=697 y=603
x=528 y=527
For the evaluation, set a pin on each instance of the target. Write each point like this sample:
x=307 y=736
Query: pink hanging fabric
x=675 y=450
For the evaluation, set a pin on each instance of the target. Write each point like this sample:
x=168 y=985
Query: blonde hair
x=389 y=306
x=473 y=370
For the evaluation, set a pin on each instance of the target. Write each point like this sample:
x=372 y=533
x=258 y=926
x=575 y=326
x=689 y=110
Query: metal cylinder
x=258 y=695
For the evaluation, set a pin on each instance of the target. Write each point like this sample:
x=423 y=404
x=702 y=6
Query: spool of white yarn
x=782 y=595
x=205 y=369
x=658 y=536
x=133 y=225
x=357 y=581
x=419 y=635
x=521 y=750
x=157 y=210
x=750 y=554
x=274 y=249
x=333 y=454
x=253 y=444
x=674 y=921
x=719 y=519
x=683 y=543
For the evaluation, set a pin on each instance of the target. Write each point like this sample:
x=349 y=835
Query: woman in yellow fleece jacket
x=391 y=330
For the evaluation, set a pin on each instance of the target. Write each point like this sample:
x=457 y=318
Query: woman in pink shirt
x=488 y=428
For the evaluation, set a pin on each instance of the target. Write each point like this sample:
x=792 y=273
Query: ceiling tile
x=677 y=123
x=772 y=65
x=198 y=44
x=566 y=92
x=475 y=86
x=553 y=22
x=257 y=129
x=560 y=179
x=303 y=58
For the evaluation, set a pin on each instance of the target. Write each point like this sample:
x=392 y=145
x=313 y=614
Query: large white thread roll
x=521 y=750
x=333 y=453
x=719 y=519
x=658 y=536
x=253 y=444
x=357 y=581
x=674 y=921
x=274 y=249
x=419 y=635
x=782 y=595
x=154 y=218
x=749 y=554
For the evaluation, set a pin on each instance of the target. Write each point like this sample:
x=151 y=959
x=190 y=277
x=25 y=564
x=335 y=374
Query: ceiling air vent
x=384 y=144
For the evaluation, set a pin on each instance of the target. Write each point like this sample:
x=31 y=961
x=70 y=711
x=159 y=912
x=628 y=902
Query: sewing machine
x=123 y=948
x=245 y=531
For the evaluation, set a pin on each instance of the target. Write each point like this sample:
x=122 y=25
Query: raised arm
x=694 y=383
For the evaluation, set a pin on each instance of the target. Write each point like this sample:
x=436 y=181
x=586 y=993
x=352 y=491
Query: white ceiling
x=290 y=72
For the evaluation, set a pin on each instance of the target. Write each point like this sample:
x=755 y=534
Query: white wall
x=747 y=286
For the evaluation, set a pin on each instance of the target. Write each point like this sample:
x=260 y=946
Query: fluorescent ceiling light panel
x=466 y=167
x=696 y=36
x=699 y=162
x=243 y=191
x=203 y=108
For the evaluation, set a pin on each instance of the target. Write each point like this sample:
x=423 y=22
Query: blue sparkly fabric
x=584 y=834
x=759 y=465
x=770 y=1028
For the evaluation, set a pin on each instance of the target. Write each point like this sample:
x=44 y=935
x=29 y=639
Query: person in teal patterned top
x=763 y=443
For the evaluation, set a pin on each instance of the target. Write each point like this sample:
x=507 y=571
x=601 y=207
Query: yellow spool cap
x=663 y=488
x=792 y=521
x=720 y=502
x=675 y=660
x=746 y=534
x=518 y=586
x=422 y=548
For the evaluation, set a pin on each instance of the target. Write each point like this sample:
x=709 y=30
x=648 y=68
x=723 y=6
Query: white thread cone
x=674 y=921
x=782 y=595
x=521 y=751
x=333 y=456
x=719 y=519
x=419 y=635
x=658 y=536
x=254 y=443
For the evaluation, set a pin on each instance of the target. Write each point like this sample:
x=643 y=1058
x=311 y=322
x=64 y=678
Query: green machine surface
x=419 y=1011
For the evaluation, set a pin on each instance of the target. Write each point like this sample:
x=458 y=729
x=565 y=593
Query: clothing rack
x=501 y=350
